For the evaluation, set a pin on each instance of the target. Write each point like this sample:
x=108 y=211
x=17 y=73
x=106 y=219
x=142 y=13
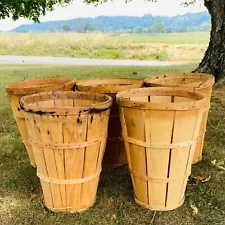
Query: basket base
x=68 y=210
x=197 y=161
x=158 y=209
x=33 y=165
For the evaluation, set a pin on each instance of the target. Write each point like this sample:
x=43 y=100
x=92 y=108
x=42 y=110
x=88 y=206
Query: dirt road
x=82 y=61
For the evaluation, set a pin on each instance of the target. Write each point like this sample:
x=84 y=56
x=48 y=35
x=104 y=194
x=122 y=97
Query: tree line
x=189 y=22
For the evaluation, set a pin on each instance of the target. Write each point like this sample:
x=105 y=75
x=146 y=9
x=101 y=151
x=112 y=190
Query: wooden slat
x=184 y=127
x=63 y=102
x=46 y=103
x=160 y=99
x=161 y=125
x=93 y=158
x=35 y=133
x=57 y=137
x=74 y=131
x=140 y=99
x=14 y=100
x=148 y=150
x=84 y=102
x=21 y=123
x=200 y=144
x=126 y=144
x=104 y=120
x=182 y=99
x=134 y=120
x=49 y=158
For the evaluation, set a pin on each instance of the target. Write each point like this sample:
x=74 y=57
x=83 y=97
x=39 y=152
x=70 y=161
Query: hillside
x=131 y=24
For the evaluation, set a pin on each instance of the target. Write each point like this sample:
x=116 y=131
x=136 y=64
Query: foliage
x=89 y=27
x=129 y=24
x=158 y=27
x=66 y=27
x=52 y=30
x=160 y=55
x=31 y=9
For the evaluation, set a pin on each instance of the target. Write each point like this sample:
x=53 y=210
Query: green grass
x=169 y=38
x=115 y=203
x=160 y=55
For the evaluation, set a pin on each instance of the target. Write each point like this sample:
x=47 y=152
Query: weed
x=160 y=55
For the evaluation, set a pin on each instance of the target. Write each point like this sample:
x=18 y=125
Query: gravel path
x=79 y=61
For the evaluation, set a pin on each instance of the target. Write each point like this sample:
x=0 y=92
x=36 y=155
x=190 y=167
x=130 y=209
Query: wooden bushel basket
x=115 y=154
x=19 y=89
x=68 y=132
x=160 y=128
x=192 y=82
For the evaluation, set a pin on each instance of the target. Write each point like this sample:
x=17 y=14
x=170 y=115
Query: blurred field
x=170 y=38
x=174 y=46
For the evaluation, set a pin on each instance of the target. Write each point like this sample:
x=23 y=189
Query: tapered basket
x=160 y=129
x=18 y=89
x=193 y=82
x=115 y=154
x=68 y=132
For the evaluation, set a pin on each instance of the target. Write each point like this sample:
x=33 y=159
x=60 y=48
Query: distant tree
x=158 y=27
x=66 y=27
x=139 y=30
x=206 y=26
x=52 y=30
x=89 y=27
x=80 y=28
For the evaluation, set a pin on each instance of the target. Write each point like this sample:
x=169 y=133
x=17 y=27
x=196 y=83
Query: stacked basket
x=159 y=130
x=16 y=90
x=115 y=154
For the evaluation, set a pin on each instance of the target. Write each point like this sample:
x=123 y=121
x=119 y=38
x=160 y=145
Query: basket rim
x=207 y=80
x=111 y=85
x=60 y=110
x=199 y=99
x=36 y=85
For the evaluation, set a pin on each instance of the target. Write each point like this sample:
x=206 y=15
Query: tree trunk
x=214 y=59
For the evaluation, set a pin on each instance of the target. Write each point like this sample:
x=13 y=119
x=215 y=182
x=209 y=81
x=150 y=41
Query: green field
x=174 y=46
x=170 y=38
x=22 y=205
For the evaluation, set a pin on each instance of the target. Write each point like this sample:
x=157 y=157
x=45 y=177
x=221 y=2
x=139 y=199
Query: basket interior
x=65 y=99
x=32 y=86
x=177 y=81
x=109 y=81
x=42 y=82
x=108 y=85
x=160 y=95
x=162 y=99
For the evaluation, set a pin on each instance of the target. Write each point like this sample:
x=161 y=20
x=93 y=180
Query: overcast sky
x=118 y=7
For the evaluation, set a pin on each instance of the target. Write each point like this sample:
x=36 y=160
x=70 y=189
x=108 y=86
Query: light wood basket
x=193 y=82
x=115 y=154
x=160 y=128
x=21 y=88
x=68 y=132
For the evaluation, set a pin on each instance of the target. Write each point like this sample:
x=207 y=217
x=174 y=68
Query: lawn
x=174 y=46
x=20 y=192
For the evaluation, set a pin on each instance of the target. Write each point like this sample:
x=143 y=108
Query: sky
x=115 y=8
